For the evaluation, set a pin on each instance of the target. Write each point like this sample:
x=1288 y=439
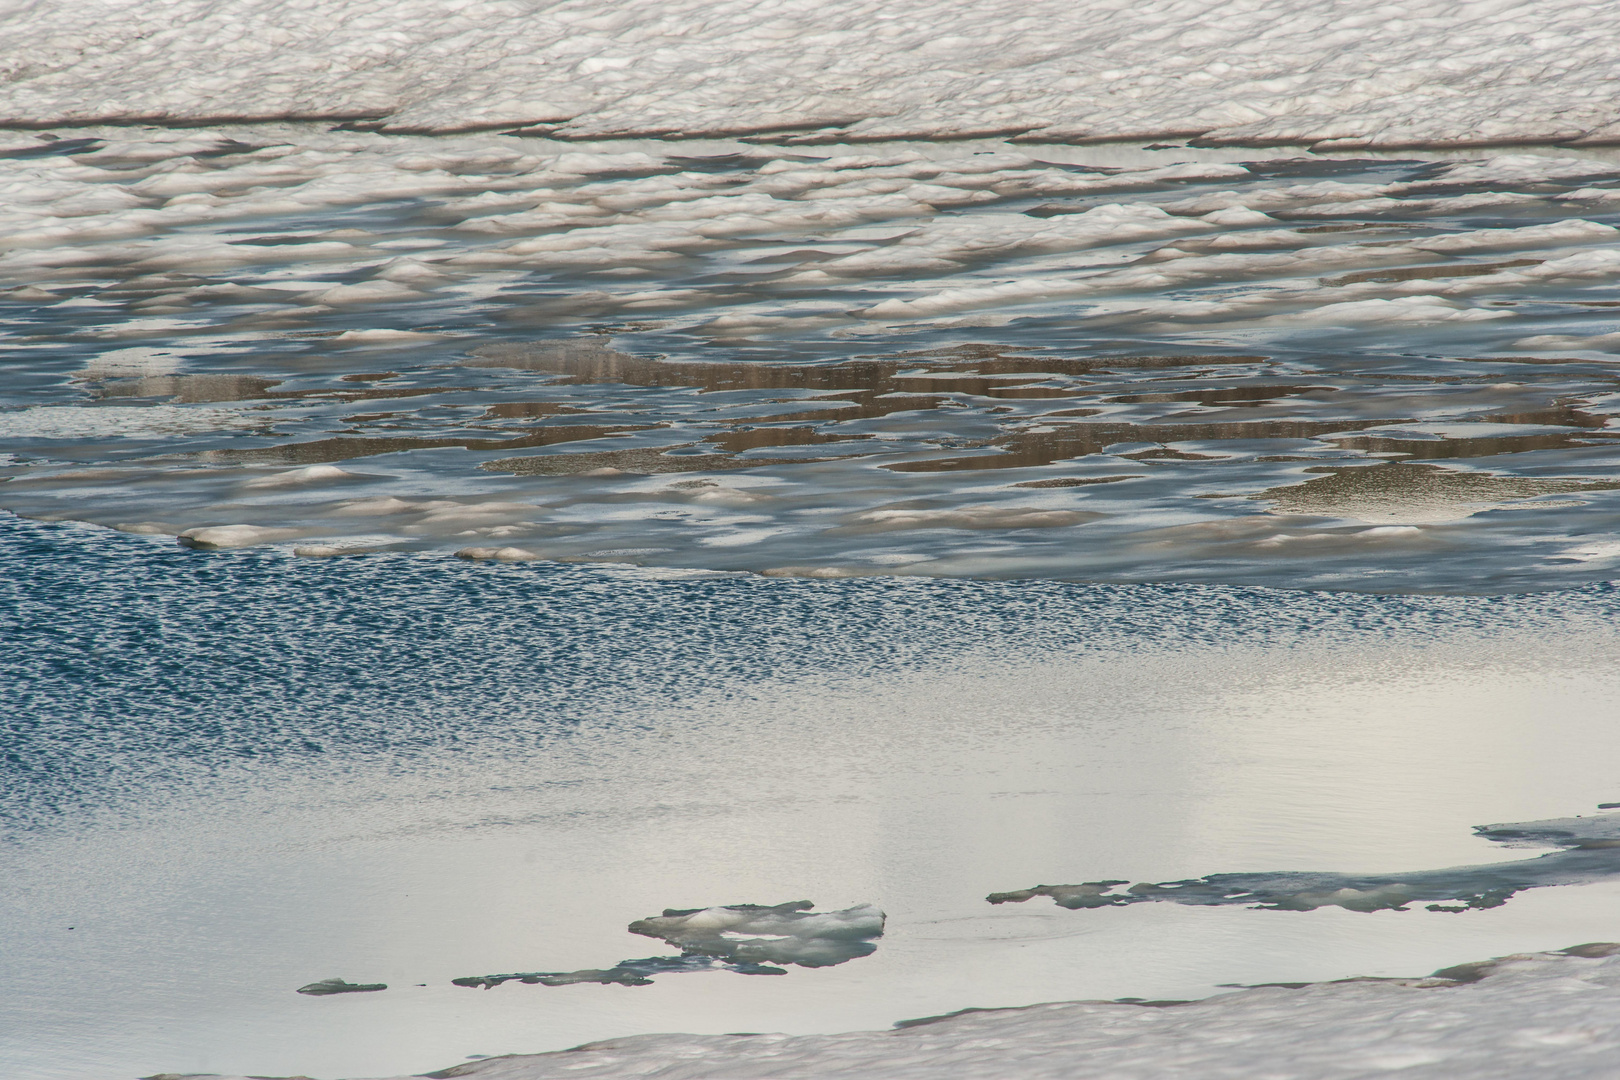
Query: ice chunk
x=211 y=537
x=745 y=938
x=338 y=986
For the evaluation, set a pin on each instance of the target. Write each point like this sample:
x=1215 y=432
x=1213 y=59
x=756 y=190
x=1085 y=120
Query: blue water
x=229 y=774
x=132 y=666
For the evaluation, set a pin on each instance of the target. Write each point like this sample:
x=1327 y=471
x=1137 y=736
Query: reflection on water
x=745 y=938
x=1590 y=853
x=505 y=343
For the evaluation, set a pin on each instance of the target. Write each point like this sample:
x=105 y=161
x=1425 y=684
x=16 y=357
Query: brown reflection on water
x=1426 y=273
x=750 y=439
x=195 y=389
x=343 y=447
x=863 y=388
x=1418 y=448
x=1230 y=396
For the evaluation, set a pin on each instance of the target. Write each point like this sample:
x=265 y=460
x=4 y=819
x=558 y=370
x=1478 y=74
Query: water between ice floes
x=231 y=774
x=946 y=359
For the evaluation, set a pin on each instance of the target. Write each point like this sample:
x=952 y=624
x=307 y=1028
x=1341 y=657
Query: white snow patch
x=1340 y=72
x=1548 y=1015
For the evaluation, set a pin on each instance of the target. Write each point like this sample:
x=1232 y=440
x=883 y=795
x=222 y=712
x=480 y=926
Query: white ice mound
x=784 y=934
x=310 y=474
x=1344 y=71
x=744 y=938
x=212 y=537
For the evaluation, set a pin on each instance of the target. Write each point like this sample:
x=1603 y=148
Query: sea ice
x=745 y=938
x=1590 y=851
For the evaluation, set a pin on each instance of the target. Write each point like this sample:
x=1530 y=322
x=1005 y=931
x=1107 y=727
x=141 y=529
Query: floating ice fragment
x=1590 y=852
x=345 y=545
x=232 y=536
x=308 y=475
x=744 y=938
x=338 y=986
x=503 y=554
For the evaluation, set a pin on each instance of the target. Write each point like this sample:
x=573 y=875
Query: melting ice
x=745 y=938
x=1590 y=852
x=948 y=359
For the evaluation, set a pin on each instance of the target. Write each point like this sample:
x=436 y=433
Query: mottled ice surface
x=1343 y=72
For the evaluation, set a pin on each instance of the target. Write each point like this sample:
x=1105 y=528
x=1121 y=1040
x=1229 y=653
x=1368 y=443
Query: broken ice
x=745 y=938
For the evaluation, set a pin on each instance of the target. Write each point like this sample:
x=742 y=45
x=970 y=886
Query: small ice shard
x=335 y=985
x=745 y=938
x=1590 y=852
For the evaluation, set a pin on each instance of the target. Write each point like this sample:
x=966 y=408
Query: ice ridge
x=1340 y=72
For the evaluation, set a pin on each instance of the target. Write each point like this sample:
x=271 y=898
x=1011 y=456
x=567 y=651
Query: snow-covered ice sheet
x=1346 y=72
x=1549 y=1015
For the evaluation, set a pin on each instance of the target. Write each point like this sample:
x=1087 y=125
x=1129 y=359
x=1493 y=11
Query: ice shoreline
x=1551 y=1012
x=1279 y=72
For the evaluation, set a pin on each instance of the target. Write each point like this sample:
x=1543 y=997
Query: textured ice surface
x=1344 y=72
x=1591 y=852
x=745 y=938
x=1545 y=1014
x=822 y=360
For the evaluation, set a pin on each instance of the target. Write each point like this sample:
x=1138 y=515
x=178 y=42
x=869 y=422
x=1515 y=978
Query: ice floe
x=745 y=938
x=1589 y=851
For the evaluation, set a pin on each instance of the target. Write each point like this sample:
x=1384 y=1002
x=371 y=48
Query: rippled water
x=951 y=359
x=638 y=385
